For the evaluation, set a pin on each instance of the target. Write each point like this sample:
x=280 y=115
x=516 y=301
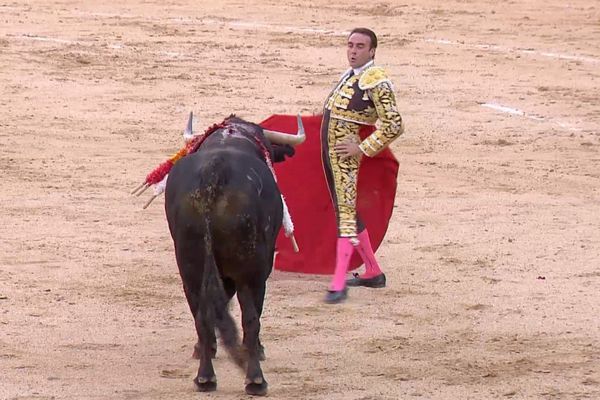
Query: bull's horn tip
x=189 y=129
x=300 y=126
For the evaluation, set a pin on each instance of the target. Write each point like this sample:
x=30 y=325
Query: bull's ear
x=188 y=134
x=280 y=151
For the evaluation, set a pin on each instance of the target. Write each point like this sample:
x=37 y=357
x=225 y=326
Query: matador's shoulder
x=372 y=77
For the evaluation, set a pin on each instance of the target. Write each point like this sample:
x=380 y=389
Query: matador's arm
x=390 y=120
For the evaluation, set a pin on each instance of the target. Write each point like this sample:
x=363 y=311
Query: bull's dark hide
x=224 y=211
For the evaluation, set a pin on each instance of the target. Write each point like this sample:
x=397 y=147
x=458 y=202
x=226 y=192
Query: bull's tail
x=216 y=306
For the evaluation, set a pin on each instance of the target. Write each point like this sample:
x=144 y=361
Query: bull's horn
x=189 y=129
x=285 y=138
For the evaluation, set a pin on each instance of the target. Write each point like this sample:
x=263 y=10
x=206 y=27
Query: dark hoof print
x=206 y=386
x=256 y=389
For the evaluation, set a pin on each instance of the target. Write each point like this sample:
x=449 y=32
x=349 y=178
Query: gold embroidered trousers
x=341 y=175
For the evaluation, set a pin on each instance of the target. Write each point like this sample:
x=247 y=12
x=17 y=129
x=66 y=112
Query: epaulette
x=372 y=77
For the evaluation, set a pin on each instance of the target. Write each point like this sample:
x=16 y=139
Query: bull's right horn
x=285 y=138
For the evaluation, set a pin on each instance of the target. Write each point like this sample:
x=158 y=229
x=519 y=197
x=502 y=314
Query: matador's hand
x=347 y=150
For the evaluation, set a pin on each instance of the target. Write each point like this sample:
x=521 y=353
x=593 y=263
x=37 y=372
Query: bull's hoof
x=206 y=384
x=257 y=389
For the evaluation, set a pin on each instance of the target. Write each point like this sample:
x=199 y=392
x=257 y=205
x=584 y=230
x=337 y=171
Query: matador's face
x=359 y=50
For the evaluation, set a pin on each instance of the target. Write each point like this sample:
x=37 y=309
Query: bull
x=224 y=211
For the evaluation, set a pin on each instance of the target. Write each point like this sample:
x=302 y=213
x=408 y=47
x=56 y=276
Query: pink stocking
x=344 y=250
x=366 y=253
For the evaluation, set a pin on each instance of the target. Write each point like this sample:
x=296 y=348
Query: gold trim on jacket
x=364 y=99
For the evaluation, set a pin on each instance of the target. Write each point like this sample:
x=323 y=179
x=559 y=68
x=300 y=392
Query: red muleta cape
x=302 y=182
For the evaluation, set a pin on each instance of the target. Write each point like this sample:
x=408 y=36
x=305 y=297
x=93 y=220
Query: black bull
x=224 y=211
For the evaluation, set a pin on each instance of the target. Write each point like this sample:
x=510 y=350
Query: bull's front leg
x=255 y=381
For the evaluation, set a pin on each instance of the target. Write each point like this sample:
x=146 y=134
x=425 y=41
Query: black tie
x=350 y=75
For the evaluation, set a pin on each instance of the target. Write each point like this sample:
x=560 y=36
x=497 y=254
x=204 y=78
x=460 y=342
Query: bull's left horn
x=188 y=134
x=284 y=138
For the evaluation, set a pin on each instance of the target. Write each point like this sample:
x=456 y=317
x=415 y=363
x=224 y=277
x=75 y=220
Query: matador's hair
x=367 y=32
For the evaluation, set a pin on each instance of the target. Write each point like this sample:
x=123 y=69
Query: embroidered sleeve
x=390 y=120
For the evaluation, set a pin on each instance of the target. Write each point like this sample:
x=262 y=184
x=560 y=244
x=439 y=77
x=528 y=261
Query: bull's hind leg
x=259 y=298
x=196 y=353
x=251 y=299
x=229 y=286
x=206 y=380
x=190 y=262
x=193 y=303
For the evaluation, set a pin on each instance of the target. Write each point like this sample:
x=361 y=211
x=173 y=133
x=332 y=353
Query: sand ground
x=492 y=254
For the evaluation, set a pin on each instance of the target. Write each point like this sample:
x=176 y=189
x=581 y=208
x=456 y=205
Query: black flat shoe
x=336 y=296
x=375 y=282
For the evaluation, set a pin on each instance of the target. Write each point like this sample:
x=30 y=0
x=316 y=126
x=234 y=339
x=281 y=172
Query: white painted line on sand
x=115 y=46
x=255 y=25
x=250 y=25
x=233 y=24
x=38 y=38
x=281 y=28
x=502 y=49
x=521 y=113
x=49 y=39
x=5 y=7
x=176 y=54
x=503 y=109
x=104 y=14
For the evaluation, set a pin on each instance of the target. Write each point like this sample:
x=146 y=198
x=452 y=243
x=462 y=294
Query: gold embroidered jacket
x=364 y=99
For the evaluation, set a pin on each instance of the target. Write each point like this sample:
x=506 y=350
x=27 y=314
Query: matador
x=363 y=96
